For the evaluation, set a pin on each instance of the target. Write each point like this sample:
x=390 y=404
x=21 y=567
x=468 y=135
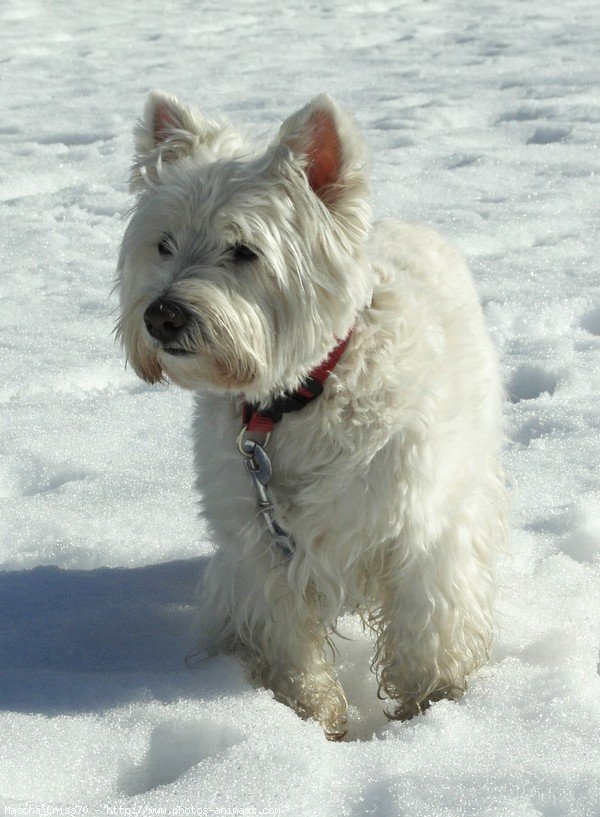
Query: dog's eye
x=241 y=253
x=165 y=246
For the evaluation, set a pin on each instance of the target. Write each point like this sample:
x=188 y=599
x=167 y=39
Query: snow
x=482 y=120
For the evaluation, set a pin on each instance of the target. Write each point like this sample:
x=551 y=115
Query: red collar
x=261 y=421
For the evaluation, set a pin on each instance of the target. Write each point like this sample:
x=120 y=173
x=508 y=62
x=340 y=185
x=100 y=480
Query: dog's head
x=239 y=270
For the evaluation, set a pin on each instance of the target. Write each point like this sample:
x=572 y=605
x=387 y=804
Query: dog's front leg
x=248 y=607
x=434 y=625
x=288 y=656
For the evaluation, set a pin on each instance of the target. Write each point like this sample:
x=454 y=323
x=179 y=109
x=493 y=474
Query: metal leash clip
x=258 y=466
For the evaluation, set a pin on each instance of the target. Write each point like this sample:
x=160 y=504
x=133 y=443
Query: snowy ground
x=483 y=120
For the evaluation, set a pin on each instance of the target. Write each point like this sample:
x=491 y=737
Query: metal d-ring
x=242 y=443
x=246 y=447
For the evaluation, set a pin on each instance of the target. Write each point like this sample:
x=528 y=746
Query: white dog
x=258 y=280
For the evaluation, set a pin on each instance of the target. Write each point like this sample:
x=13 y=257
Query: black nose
x=164 y=320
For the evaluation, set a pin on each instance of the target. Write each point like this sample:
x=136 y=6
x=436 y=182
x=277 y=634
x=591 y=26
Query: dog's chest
x=327 y=494
x=303 y=456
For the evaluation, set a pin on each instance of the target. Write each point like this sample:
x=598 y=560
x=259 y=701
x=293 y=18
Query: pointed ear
x=165 y=118
x=169 y=130
x=331 y=148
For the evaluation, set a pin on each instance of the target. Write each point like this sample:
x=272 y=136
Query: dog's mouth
x=176 y=351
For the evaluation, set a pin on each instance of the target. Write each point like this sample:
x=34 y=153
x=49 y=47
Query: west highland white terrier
x=348 y=409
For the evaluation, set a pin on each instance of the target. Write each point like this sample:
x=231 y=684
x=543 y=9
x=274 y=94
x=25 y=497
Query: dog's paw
x=408 y=708
x=336 y=735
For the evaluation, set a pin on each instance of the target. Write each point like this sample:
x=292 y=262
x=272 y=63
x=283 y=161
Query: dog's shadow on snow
x=87 y=640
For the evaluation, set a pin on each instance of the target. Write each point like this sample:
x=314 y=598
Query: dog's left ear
x=327 y=141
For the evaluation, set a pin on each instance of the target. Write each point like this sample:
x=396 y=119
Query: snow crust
x=483 y=121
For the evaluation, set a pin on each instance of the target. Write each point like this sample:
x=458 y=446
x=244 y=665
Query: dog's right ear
x=165 y=117
x=167 y=131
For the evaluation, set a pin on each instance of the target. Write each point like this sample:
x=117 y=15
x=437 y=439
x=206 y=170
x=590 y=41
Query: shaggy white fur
x=389 y=482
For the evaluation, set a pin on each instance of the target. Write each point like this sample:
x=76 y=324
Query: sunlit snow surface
x=483 y=121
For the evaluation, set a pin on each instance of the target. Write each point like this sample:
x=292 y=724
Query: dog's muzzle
x=165 y=322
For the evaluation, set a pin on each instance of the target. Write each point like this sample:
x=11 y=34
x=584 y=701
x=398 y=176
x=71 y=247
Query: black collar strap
x=261 y=421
